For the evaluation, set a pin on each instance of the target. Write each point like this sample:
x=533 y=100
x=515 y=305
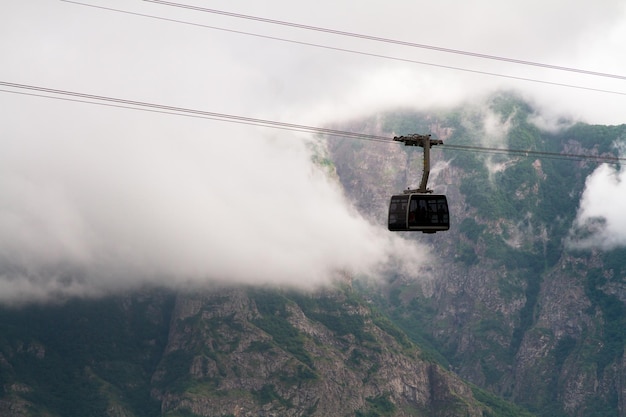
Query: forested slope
x=224 y=352
x=512 y=302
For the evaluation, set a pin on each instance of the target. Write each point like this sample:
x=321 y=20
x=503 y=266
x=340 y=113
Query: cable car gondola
x=427 y=213
x=419 y=210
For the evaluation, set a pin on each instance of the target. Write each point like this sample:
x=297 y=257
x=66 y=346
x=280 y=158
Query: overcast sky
x=96 y=198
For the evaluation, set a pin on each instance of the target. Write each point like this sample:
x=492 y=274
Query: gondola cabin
x=427 y=213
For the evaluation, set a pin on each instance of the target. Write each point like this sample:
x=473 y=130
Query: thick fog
x=96 y=199
x=600 y=222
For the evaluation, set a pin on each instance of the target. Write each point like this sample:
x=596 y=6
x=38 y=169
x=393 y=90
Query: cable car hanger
x=425 y=142
x=418 y=209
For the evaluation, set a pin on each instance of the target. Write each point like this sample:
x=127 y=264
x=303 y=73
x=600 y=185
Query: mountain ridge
x=508 y=311
x=497 y=308
x=235 y=351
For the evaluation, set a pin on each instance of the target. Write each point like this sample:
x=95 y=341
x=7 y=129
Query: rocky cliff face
x=221 y=352
x=510 y=306
x=507 y=306
x=253 y=352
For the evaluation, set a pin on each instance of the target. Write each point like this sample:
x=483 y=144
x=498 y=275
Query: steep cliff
x=507 y=304
x=223 y=352
x=245 y=352
x=511 y=307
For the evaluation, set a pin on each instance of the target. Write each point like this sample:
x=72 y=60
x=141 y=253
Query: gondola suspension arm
x=425 y=142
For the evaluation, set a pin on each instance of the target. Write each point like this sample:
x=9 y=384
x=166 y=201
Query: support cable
x=351 y=51
x=386 y=40
x=65 y=95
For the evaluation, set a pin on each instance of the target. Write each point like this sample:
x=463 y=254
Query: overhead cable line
x=387 y=40
x=181 y=111
x=450 y=67
x=540 y=154
x=66 y=95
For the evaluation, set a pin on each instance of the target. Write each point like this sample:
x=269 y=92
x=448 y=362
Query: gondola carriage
x=427 y=213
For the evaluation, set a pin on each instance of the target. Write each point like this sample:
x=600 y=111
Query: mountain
x=510 y=302
x=224 y=352
x=509 y=316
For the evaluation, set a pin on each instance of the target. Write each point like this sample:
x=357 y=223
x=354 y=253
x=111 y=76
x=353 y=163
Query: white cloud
x=95 y=199
x=117 y=200
x=600 y=221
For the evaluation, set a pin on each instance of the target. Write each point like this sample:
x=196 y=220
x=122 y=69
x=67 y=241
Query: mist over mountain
x=161 y=253
x=527 y=298
x=518 y=310
x=100 y=199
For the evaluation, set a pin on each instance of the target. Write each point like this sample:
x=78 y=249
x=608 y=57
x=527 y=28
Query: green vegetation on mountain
x=510 y=239
x=534 y=326
x=85 y=356
x=52 y=354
